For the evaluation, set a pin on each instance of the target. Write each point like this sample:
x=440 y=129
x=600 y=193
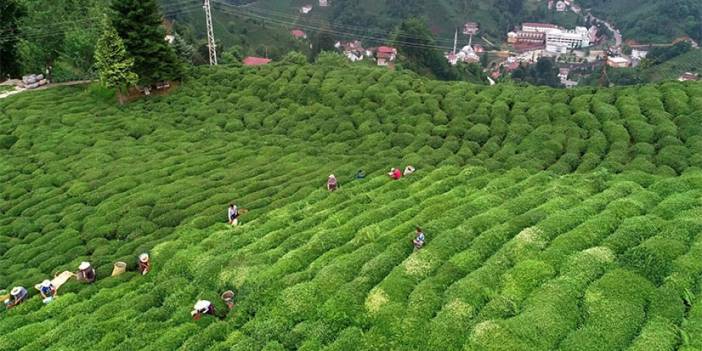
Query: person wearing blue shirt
x=419 y=239
x=47 y=289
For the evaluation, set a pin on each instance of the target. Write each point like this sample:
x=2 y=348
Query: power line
x=286 y=24
x=288 y=16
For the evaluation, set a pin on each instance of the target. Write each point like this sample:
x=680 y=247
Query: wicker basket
x=120 y=267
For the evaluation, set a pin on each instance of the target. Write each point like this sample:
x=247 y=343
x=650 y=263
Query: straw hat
x=15 y=291
x=144 y=257
x=46 y=283
x=84 y=265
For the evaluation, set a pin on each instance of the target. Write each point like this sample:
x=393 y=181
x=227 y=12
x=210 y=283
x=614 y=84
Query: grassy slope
x=556 y=219
x=672 y=69
x=635 y=17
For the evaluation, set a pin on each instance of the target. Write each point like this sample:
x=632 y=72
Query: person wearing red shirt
x=395 y=173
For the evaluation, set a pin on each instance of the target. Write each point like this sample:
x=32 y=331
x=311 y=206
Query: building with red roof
x=538 y=27
x=386 y=55
x=255 y=61
x=298 y=34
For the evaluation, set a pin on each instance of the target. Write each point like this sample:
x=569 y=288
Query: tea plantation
x=555 y=219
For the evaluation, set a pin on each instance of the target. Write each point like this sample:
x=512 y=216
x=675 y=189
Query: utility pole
x=211 y=46
x=455 y=40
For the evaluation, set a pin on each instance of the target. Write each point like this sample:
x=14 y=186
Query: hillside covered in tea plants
x=555 y=219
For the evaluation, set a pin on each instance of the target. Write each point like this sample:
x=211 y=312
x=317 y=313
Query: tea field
x=555 y=219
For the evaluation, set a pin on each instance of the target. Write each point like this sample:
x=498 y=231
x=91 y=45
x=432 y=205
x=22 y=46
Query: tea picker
x=17 y=296
x=228 y=297
x=233 y=214
x=419 y=239
x=395 y=173
x=331 y=183
x=202 y=307
x=86 y=273
x=144 y=263
x=47 y=291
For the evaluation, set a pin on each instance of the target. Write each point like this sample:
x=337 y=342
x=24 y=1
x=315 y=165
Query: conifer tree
x=10 y=13
x=113 y=64
x=183 y=50
x=139 y=24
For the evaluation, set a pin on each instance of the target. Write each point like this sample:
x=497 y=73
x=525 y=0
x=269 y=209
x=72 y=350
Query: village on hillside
x=577 y=51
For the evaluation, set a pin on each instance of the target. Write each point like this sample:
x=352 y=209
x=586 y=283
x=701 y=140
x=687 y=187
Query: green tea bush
x=583 y=200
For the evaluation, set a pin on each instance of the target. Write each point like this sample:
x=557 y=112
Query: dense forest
x=652 y=20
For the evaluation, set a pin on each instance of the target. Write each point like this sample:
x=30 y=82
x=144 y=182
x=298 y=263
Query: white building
x=323 y=3
x=557 y=48
x=306 y=9
x=579 y=37
x=467 y=54
x=538 y=27
x=618 y=62
x=638 y=54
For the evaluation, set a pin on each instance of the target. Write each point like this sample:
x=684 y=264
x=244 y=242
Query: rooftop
x=255 y=61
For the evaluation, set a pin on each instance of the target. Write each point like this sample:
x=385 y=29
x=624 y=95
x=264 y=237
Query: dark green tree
x=182 y=48
x=138 y=23
x=416 y=47
x=323 y=41
x=545 y=72
x=113 y=64
x=10 y=13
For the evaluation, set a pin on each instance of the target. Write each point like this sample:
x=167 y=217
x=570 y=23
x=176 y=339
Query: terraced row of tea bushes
x=556 y=219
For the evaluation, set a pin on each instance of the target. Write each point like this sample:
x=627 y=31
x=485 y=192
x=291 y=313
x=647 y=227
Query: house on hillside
x=574 y=38
x=563 y=73
x=298 y=34
x=688 y=77
x=471 y=28
x=305 y=9
x=538 y=27
x=618 y=62
x=353 y=50
x=385 y=55
x=638 y=54
x=323 y=3
x=255 y=61
x=467 y=55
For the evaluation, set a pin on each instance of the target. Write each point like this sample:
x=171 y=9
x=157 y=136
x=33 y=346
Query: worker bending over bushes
x=202 y=307
x=233 y=214
x=144 y=264
x=86 y=273
x=331 y=183
x=17 y=296
x=418 y=239
x=47 y=291
x=395 y=173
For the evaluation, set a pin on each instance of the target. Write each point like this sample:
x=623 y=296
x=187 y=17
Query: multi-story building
x=576 y=38
x=538 y=27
